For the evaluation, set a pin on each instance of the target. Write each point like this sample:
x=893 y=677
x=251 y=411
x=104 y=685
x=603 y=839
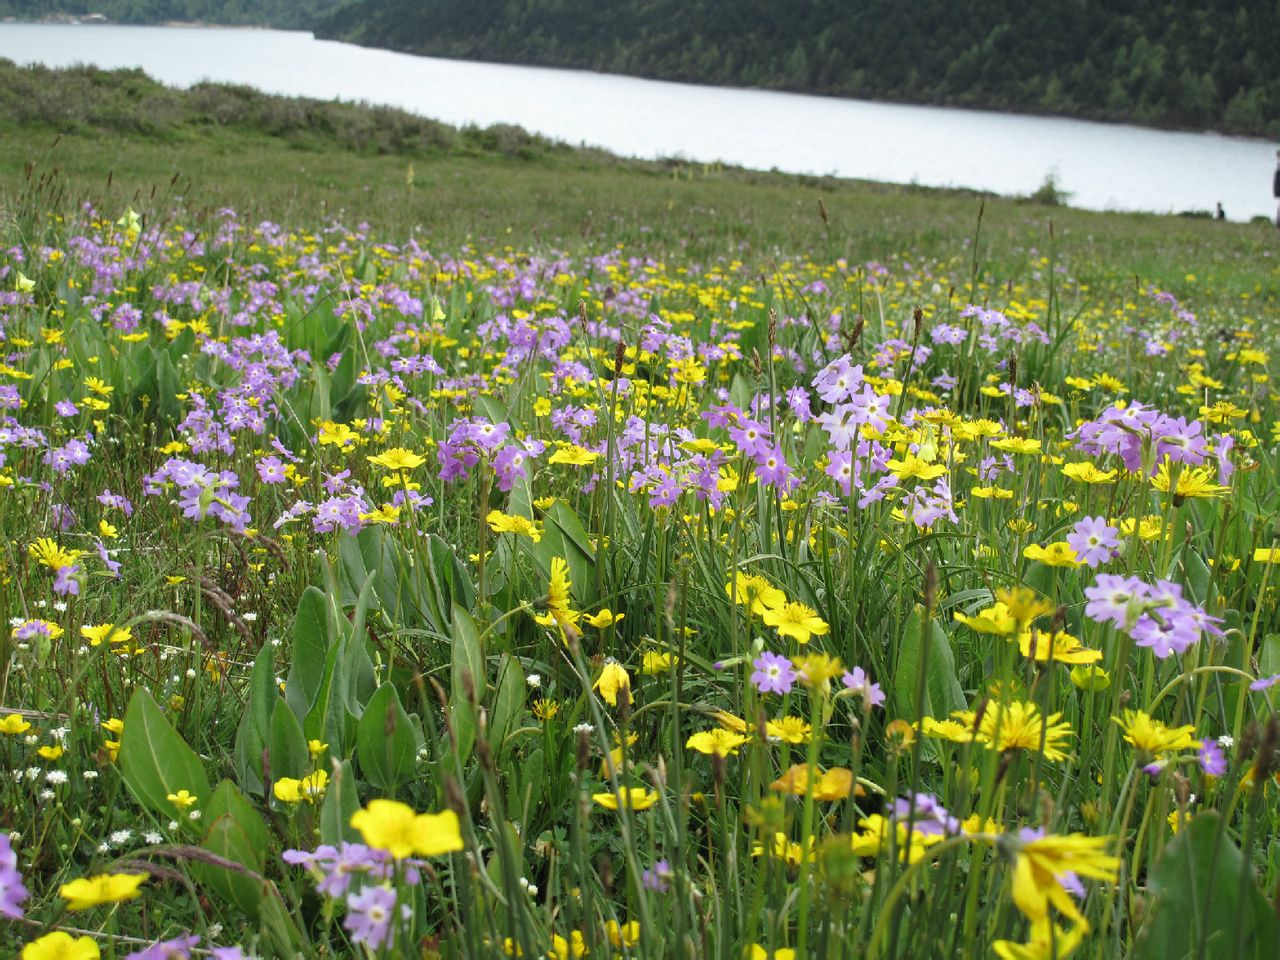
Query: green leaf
x=310 y=646
x=228 y=801
x=386 y=742
x=287 y=747
x=468 y=661
x=1207 y=903
x=340 y=802
x=931 y=649
x=255 y=724
x=154 y=759
x=507 y=705
x=226 y=839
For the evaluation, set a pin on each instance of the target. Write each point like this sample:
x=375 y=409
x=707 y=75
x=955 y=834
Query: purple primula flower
x=858 y=681
x=1110 y=598
x=271 y=470
x=773 y=673
x=65 y=408
x=1165 y=636
x=12 y=890
x=228 y=953
x=658 y=877
x=369 y=916
x=65 y=582
x=1212 y=760
x=927 y=815
x=178 y=948
x=1264 y=683
x=1094 y=541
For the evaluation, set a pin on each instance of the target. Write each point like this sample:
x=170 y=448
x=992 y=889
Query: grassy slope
x=119 y=138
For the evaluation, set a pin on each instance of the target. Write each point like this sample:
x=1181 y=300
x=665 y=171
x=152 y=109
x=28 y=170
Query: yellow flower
x=1017 y=445
x=1047 y=942
x=61 y=946
x=952 y=730
x=51 y=752
x=1193 y=482
x=789 y=730
x=758 y=952
x=104 y=888
x=785 y=849
x=23 y=283
x=395 y=827
x=562 y=949
x=98 y=386
x=755 y=593
x=500 y=522
x=107 y=530
x=1018 y=725
x=1038 y=863
x=1057 y=554
x=544 y=709
x=1153 y=737
x=1266 y=555
x=315 y=747
x=655 y=662
x=558 y=610
x=574 y=456
x=1060 y=647
x=613 y=680
x=995 y=619
x=182 y=799
x=717 y=742
x=1024 y=604
x=797 y=621
x=874 y=837
x=336 y=434
x=914 y=466
x=605 y=618
x=47 y=552
x=397 y=458
x=106 y=631
x=633 y=798
x=1088 y=473
x=817 y=670
x=622 y=935
x=14 y=724
x=829 y=785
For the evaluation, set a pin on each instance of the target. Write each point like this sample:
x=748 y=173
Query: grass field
x=445 y=543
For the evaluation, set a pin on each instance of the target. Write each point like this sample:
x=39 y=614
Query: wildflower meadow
x=375 y=597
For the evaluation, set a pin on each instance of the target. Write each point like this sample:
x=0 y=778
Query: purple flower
x=1110 y=598
x=65 y=408
x=1094 y=540
x=369 y=916
x=1212 y=760
x=657 y=877
x=1264 y=683
x=927 y=814
x=271 y=470
x=12 y=891
x=1165 y=636
x=178 y=948
x=773 y=673
x=227 y=953
x=65 y=582
x=858 y=681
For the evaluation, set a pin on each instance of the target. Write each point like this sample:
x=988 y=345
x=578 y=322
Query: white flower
x=583 y=728
x=173 y=825
x=534 y=680
x=193 y=815
x=60 y=606
x=47 y=794
x=152 y=837
x=104 y=847
x=56 y=776
x=90 y=774
x=249 y=617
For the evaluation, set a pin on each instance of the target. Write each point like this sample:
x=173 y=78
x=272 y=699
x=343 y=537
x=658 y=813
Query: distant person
x=1275 y=188
x=1222 y=214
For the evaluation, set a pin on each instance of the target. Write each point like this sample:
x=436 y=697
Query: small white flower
x=583 y=728
x=152 y=837
x=47 y=795
x=90 y=774
x=191 y=673
x=1226 y=741
x=33 y=773
x=534 y=680
x=193 y=815
x=56 y=776
x=60 y=606
x=249 y=617
x=104 y=847
x=120 y=837
x=31 y=739
x=173 y=825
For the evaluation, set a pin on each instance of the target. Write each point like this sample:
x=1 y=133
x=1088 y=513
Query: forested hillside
x=275 y=13
x=1183 y=63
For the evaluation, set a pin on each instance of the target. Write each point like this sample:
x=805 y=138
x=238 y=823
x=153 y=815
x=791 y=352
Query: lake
x=1104 y=166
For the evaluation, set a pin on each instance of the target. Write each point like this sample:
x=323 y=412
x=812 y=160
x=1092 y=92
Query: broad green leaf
x=226 y=839
x=932 y=651
x=507 y=704
x=386 y=742
x=154 y=759
x=227 y=801
x=340 y=802
x=468 y=662
x=287 y=747
x=311 y=642
x=1207 y=903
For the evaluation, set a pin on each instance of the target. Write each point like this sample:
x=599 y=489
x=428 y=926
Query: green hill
x=275 y=13
x=1182 y=63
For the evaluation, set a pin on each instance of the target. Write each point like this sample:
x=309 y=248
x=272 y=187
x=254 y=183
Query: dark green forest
x=275 y=13
x=1197 y=64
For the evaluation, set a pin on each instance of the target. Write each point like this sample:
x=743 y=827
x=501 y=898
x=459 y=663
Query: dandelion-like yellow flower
x=1153 y=737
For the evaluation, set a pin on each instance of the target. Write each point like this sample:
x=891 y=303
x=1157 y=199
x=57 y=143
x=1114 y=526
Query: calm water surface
x=1104 y=166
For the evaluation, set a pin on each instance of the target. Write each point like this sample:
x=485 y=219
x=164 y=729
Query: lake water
x=1104 y=166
